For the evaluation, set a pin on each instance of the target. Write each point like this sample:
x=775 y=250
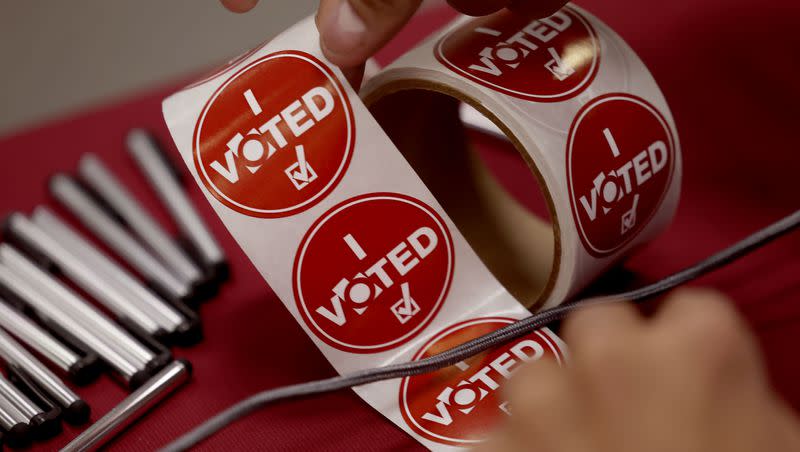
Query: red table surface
x=728 y=70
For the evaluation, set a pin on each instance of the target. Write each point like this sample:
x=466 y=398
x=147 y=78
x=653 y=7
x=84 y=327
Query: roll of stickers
x=387 y=250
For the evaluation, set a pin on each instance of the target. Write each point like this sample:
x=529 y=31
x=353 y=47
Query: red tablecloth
x=728 y=70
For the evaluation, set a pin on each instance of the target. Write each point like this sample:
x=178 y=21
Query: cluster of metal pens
x=137 y=310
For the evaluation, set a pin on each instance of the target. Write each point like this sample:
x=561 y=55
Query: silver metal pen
x=153 y=165
x=76 y=411
x=105 y=184
x=14 y=423
x=42 y=303
x=134 y=406
x=89 y=278
x=184 y=327
x=36 y=338
x=80 y=204
x=23 y=404
x=44 y=306
x=42 y=424
x=24 y=230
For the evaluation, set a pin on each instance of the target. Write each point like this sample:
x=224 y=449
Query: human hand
x=351 y=31
x=690 y=379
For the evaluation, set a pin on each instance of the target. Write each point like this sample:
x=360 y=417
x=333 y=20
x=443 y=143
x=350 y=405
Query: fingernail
x=343 y=30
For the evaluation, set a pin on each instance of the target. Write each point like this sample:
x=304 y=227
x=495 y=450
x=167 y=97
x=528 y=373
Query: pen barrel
x=18 y=399
x=136 y=299
x=80 y=204
x=106 y=185
x=135 y=405
x=17 y=429
x=89 y=337
x=151 y=161
x=30 y=333
x=13 y=352
x=80 y=310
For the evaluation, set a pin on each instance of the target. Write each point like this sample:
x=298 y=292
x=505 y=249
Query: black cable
x=480 y=344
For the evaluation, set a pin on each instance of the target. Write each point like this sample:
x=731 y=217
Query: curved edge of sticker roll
x=543 y=144
x=519 y=233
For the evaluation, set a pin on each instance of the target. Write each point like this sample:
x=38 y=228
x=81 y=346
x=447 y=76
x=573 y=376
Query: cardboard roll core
x=520 y=249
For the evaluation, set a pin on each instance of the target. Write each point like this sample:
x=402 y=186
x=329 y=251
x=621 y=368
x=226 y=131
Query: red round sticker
x=547 y=60
x=461 y=404
x=373 y=271
x=620 y=160
x=276 y=137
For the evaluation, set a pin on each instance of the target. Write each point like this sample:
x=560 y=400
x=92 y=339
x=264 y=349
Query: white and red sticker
x=546 y=60
x=373 y=271
x=276 y=137
x=460 y=405
x=620 y=160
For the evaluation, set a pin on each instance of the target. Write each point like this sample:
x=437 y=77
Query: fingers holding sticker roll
x=353 y=30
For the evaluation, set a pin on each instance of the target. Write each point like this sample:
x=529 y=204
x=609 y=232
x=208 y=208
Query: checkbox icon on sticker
x=629 y=217
x=560 y=70
x=406 y=307
x=301 y=173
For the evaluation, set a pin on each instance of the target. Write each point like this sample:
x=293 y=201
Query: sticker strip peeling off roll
x=389 y=252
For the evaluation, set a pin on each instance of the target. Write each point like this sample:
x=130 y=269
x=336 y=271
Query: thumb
x=353 y=30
